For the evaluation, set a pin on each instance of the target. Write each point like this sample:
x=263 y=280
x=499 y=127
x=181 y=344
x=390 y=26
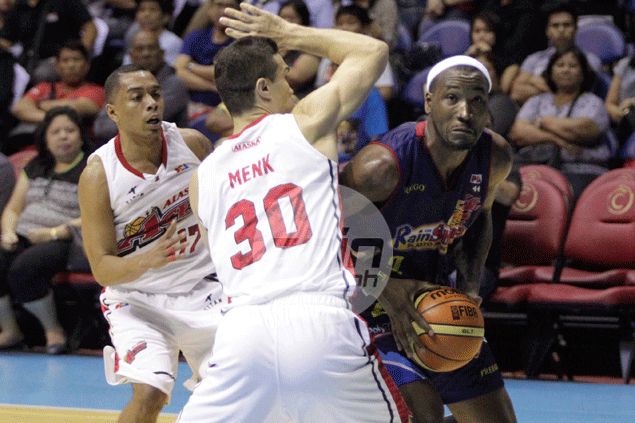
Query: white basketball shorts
x=149 y=330
x=304 y=358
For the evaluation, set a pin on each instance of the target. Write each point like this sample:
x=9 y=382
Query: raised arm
x=100 y=242
x=361 y=61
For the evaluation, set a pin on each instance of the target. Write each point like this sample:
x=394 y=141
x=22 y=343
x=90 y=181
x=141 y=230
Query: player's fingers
x=250 y=9
x=171 y=242
x=419 y=320
x=171 y=229
x=230 y=12
x=236 y=25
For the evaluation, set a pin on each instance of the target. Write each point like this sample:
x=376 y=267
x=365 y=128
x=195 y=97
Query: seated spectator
x=566 y=126
x=146 y=53
x=438 y=10
x=384 y=15
x=483 y=30
x=195 y=63
x=36 y=234
x=620 y=100
x=72 y=90
x=355 y=19
x=60 y=21
x=519 y=30
x=152 y=16
x=118 y=15
x=302 y=67
x=72 y=64
x=561 y=30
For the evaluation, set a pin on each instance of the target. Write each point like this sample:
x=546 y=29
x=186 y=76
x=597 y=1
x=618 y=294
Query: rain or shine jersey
x=426 y=217
x=143 y=206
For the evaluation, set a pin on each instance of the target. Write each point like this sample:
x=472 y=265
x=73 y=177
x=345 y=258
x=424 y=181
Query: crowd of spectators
x=55 y=55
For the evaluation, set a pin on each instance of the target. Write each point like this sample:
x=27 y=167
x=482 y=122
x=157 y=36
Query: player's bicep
x=98 y=228
x=193 y=195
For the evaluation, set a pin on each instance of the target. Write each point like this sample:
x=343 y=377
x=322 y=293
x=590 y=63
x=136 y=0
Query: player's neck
x=145 y=154
x=245 y=119
x=445 y=158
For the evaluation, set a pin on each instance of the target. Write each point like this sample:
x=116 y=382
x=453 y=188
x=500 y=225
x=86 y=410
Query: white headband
x=453 y=61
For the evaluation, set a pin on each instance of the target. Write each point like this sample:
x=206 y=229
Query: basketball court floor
x=36 y=388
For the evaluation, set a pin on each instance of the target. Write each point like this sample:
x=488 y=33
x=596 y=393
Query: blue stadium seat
x=453 y=36
x=413 y=92
x=604 y=40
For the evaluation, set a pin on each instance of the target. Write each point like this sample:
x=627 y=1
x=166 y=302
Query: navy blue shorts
x=480 y=376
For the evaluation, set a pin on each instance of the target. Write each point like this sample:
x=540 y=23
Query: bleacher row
x=565 y=260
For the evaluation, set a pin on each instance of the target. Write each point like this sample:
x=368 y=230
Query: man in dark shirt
x=146 y=52
x=42 y=26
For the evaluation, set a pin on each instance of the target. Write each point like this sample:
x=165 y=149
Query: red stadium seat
x=549 y=174
x=624 y=173
x=600 y=240
x=21 y=158
x=534 y=232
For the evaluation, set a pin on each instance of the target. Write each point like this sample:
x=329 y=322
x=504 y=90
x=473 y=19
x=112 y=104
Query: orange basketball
x=458 y=329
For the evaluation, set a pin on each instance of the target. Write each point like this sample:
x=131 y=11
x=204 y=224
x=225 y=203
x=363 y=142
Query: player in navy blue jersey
x=435 y=182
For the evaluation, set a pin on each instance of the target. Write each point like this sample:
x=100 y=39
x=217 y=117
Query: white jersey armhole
x=294 y=123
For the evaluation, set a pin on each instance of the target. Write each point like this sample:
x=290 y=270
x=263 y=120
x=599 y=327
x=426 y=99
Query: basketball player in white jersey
x=144 y=245
x=288 y=347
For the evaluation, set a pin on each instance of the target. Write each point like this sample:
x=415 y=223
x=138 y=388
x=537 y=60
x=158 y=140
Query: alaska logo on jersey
x=142 y=230
x=440 y=235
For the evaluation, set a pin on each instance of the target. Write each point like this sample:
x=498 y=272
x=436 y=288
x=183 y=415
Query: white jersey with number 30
x=270 y=203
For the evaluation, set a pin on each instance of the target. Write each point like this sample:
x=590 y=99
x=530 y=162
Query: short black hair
x=559 y=6
x=301 y=9
x=588 y=75
x=112 y=82
x=44 y=156
x=74 y=45
x=238 y=66
x=354 y=10
x=167 y=6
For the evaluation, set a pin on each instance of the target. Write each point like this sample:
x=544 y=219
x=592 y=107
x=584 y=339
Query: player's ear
x=112 y=113
x=262 y=88
x=427 y=99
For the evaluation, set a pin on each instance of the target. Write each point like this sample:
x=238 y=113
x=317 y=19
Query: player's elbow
x=379 y=51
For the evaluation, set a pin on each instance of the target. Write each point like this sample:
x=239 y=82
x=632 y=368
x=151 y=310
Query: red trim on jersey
x=253 y=123
x=405 y=415
x=128 y=166
x=420 y=129
x=394 y=155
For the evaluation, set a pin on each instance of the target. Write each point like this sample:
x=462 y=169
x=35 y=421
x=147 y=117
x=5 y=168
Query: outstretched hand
x=252 y=21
